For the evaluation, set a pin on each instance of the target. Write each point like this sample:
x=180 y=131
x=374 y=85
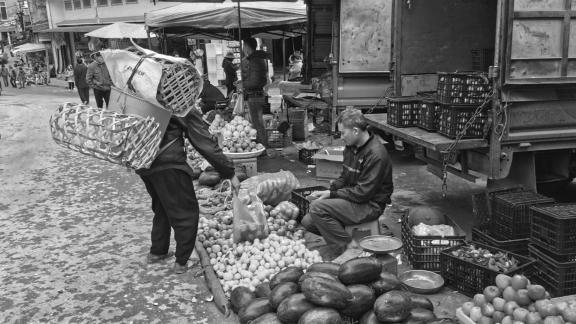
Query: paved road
x=75 y=232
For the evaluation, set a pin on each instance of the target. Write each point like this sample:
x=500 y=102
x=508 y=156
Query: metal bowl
x=380 y=244
x=422 y=281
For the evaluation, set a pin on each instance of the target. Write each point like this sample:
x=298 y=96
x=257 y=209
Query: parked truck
x=527 y=49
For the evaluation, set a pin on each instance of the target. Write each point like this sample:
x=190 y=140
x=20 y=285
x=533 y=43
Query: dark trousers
x=256 y=108
x=13 y=82
x=84 y=94
x=175 y=206
x=328 y=217
x=5 y=80
x=230 y=88
x=101 y=96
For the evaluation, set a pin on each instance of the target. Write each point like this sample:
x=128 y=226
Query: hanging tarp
x=30 y=47
x=224 y=16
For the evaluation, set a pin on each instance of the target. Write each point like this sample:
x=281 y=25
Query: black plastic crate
x=511 y=212
x=463 y=87
x=429 y=115
x=299 y=199
x=453 y=117
x=484 y=235
x=470 y=278
x=423 y=252
x=305 y=155
x=553 y=228
x=402 y=111
x=277 y=139
x=557 y=276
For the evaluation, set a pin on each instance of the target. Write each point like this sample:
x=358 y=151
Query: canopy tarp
x=224 y=16
x=29 y=48
x=120 y=30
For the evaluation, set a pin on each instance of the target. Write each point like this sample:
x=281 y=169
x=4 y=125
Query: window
x=116 y=2
x=3 y=11
x=87 y=3
x=68 y=5
x=77 y=4
x=131 y=1
x=102 y=3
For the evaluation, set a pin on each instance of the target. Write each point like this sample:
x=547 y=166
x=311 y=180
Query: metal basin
x=380 y=244
x=422 y=281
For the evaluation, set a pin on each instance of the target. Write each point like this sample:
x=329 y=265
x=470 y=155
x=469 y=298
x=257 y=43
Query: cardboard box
x=249 y=166
x=329 y=162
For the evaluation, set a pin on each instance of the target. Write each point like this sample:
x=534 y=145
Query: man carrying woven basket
x=169 y=183
x=361 y=192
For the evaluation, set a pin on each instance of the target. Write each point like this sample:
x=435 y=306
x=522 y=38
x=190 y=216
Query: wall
x=127 y=10
x=438 y=35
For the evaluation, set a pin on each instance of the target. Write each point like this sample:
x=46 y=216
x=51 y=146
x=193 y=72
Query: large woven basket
x=180 y=85
x=128 y=140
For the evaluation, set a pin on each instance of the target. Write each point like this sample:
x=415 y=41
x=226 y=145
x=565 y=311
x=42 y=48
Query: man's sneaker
x=180 y=269
x=155 y=258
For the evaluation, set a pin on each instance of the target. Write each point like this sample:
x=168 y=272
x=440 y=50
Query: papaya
x=240 y=297
x=421 y=315
x=360 y=270
x=419 y=301
x=385 y=283
x=321 y=316
x=282 y=291
x=292 y=308
x=330 y=268
x=393 y=306
x=262 y=290
x=289 y=274
x=255 y=309
x=369 y=318
x=268 y=318
x=326 y=292
x=209 y=178
x=310 y=274
x=362 y=301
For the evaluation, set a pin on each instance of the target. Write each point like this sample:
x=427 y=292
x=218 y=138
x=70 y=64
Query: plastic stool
x=359 y=231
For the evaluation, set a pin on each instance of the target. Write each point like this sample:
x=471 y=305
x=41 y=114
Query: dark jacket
x=80 y=76
x=195 y=130
x=255 y=71
x=366 y=174
x=98 y=77
x=230 y=72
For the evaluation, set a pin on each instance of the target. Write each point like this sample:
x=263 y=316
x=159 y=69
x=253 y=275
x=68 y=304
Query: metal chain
x=449 y=153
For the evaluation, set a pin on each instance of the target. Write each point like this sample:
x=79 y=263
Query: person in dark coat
x=169 y=183
x=254 y=78
x=230 y=72
x=80 y=79
x=13 y=76
x=98 y=78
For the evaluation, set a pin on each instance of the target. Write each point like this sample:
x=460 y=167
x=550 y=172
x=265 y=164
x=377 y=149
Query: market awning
x=224 y=16
x=120 y=30
x=29 y=47
x=7 y=28
x=72 y=29
x=100 y=21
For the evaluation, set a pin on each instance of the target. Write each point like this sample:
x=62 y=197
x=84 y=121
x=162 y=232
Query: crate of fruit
x=558 y=276
x=485 y=235
x=511 y=214
x=402 y=111
x=463 y=87
x=453 y=118
x=553 y=228
x=470 y=267
x=300 y=198
x=422 y=245
x=429 y=115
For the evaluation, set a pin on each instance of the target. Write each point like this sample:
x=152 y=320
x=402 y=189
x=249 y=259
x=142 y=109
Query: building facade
x=15 y=21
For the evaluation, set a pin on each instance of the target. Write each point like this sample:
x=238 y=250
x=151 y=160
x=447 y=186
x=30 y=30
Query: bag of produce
x=249 y=219
x=285 y=210
x=271 y=188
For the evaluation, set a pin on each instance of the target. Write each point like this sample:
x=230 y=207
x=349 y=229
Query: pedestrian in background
x=21 y=77
x=98 y=79
x=4 y=74
x=230 y=71
x=80 y=79
x=13 y=77
x=69 y=73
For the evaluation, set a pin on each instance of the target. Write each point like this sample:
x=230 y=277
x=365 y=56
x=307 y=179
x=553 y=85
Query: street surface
x=75 y=232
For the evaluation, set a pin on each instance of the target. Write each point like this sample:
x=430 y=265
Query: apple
x=520 y=314
x=466 y=307
x=487 y=309
x=533 y=318
x=498 y=303
x=498 y=316
x=475 y=313
x=561 y=306
x=509 y=307
x=519 y=281
x=554 y=320
x=569 y=314
x=546 y=308
x=503 y=281
x=536 y=292
x=509 y=294
x=479 y=300
x=507 y=320
x=491 y=292
x=485 y=320
x=522 y=297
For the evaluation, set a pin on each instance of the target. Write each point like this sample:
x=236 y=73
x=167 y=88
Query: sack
x=238 y=104
x=271 y=188
x=249 y=220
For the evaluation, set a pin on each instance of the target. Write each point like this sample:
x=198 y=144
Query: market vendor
x=169 y=183
x=361 y=192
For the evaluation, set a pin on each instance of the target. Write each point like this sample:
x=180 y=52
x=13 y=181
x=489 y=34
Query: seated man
x=210 y=97
x=361 y=192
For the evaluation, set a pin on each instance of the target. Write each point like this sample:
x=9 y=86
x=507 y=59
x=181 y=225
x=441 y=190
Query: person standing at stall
x=254 y=69
x=4 y=73
x=80 y=79
x=21 y=77
x=98 y=78
x=13 y=77
x=230 y=72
